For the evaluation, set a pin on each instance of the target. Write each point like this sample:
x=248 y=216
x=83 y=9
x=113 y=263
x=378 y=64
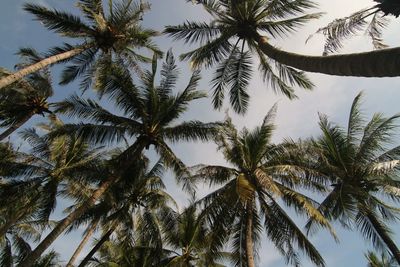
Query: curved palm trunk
x=78 y=250
x=385 y=237
x=41 y=64
x=67 y=221
x=134 y=151
x=249 y=237
x=14 y=127
x=103 y=239
x=378 y=63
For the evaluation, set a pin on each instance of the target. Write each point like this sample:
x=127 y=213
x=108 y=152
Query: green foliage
x=361 y=165
x=264 y=173
x=106 y=37
x=230 y=39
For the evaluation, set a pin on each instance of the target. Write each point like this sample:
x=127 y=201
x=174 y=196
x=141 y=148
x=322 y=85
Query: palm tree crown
x=103 y=37
x=260 y=176
x=150 y=115
x=150 y=112
x=361 y=165
x=230 y=38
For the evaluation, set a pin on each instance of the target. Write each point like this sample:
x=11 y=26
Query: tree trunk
x=85 y=239
x=378 y=63
x=136 y=149
x=385 y=237
x=41 y=64
x=63 y=224
x=14 y=127
x=249 y=236
x=103 y=239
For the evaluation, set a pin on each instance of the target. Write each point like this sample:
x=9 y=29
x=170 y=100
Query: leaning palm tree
x=343 y=28
x=259 y=179
x=235 y=32
x=37 y=177
x=361 y=164
x=21 y=101
x=149 y=113
x=230 y=39
x=102 y=37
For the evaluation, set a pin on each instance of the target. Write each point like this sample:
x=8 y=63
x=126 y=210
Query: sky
x=332 y=95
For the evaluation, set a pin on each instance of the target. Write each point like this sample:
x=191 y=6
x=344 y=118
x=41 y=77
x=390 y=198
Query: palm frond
x=61 y=22
x=239 y=79
x=193 y=32
x=209 y=54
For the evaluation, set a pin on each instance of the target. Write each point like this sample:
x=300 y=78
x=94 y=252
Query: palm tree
x=230 y=39
x=50 y=165
x=186 y=233
x=260 y=176
x=21 y=101
x=34 y=181
x=235 y=32
x=343 y=28
x=130 y=207
x=361 y=165
x=13 y=243
x=374 y=261
x=103 y=38
x=150 y=115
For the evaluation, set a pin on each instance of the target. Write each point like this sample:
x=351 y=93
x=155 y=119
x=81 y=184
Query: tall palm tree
x=260 y=176
x=235 y=32
x=33 y=183
x=362 y=166
x=230 y=38
x=102 y=37
x=21 y=101
x=150 y=115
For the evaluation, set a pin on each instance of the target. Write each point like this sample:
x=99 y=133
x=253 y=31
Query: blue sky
x=332 y=96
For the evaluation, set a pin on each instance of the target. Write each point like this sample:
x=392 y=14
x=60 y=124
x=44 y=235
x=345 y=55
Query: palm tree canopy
x=361 y=164
x=229 y=40
x=150 y=112
x=39 y=177
x=28 y=97
x=104 y=36
x=260 y=172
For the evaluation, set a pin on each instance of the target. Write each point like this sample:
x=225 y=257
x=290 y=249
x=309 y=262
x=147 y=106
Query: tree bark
x=14 y=127
x=103 y=239
x=41 y=64
x=385 y=237
x=378 y=63
x=85 y=239
x=249 y=236
x=136 y=149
